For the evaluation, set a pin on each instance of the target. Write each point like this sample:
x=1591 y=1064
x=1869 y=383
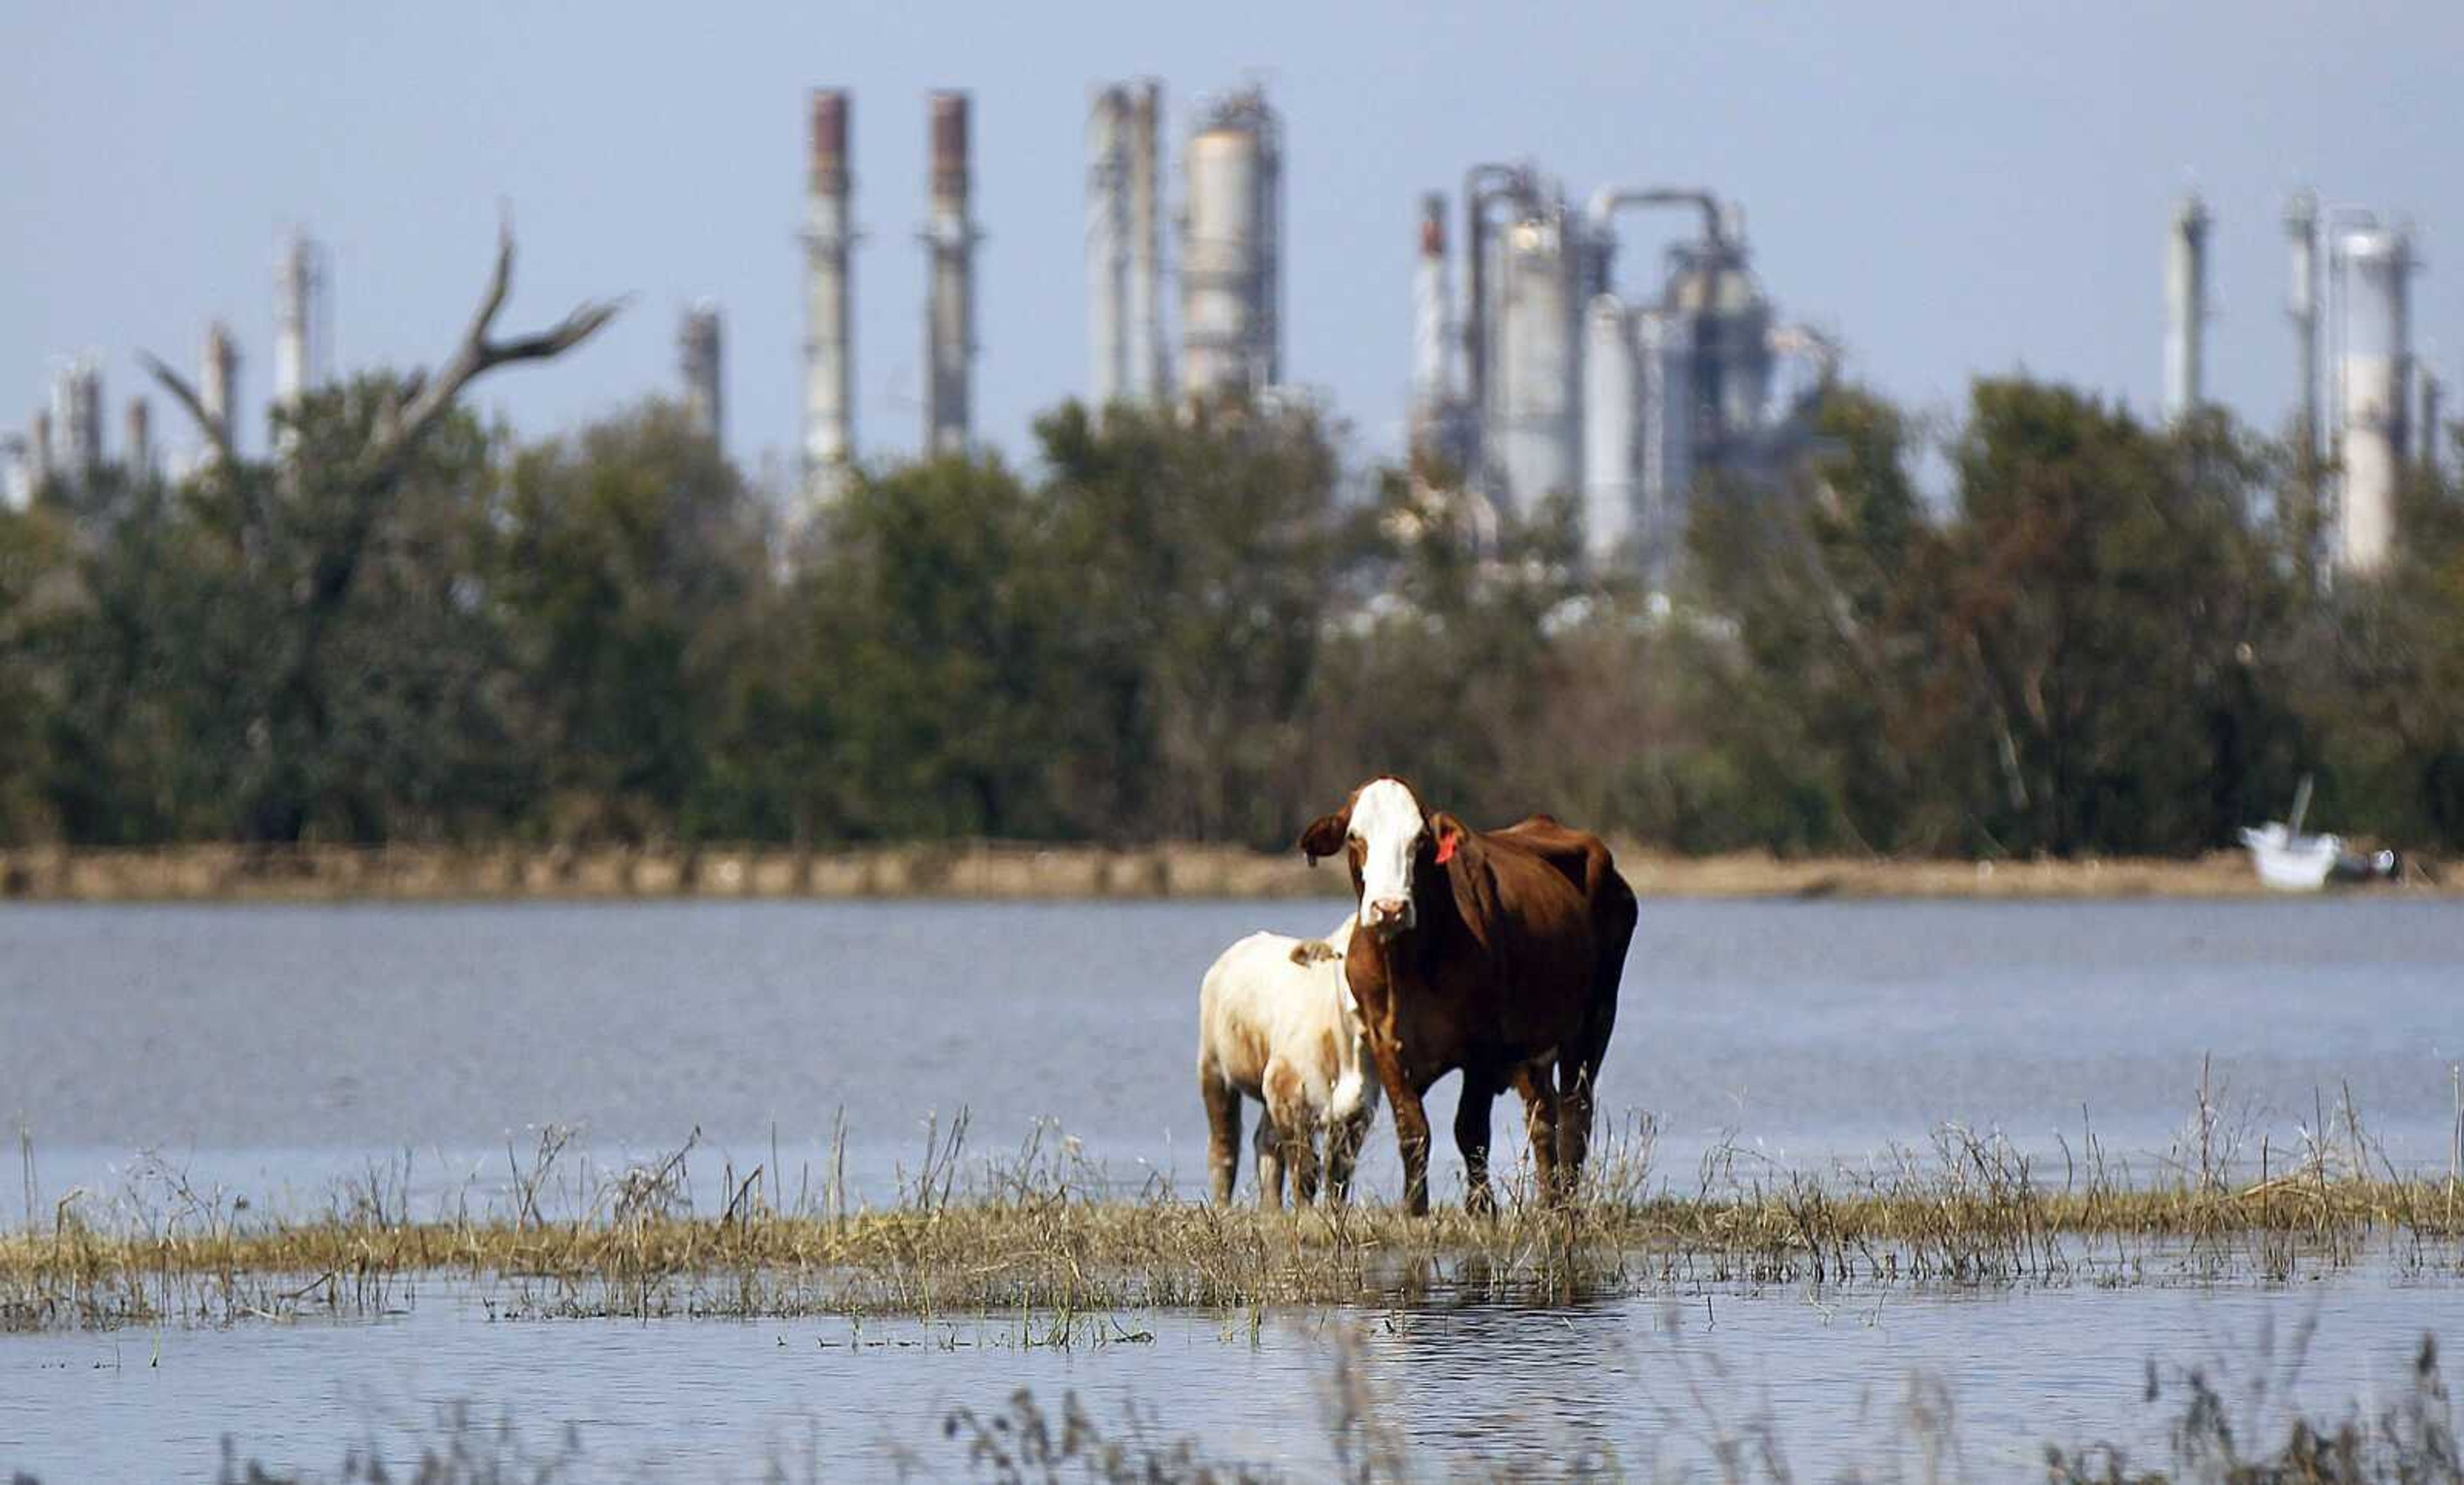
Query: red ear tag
x=1446 y=846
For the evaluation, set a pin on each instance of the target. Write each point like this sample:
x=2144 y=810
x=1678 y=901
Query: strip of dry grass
x=1012 y=871
x=1041 y=1238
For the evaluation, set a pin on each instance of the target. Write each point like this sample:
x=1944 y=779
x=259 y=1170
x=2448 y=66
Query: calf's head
x=1393 y=845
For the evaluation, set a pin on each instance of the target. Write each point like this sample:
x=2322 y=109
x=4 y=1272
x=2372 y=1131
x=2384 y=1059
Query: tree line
x=2111 y=638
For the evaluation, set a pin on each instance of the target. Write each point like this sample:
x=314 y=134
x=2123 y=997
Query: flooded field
x=168 y=1061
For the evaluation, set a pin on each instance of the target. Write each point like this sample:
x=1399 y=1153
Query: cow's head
x=1392 y=844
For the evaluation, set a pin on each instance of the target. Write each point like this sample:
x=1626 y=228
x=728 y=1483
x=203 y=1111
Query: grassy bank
x=1053 y=1244
x=1003 y=871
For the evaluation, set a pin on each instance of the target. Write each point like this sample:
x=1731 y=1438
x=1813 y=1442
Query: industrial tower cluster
x=1229 y=266
x=949 y=237
x=2364 y=408
x=1540 y=377
x=66 y=438
x=1540 y=370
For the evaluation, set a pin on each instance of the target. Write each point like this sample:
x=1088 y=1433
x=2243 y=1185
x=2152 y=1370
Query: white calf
x=1275 y=1022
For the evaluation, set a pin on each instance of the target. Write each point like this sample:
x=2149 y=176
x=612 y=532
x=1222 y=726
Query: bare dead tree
x=363 y=483
x=399 y=429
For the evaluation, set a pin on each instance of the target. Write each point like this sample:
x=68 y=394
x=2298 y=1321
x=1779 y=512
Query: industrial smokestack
x=40 y=436
x=2186 y=308
x=1429 y=321
x=2374 y=267
x=2302 y=307
x=76 y=413
x=218 y=386
x=139 y=454
x=950 y=310
x=1148 y=380
x=829 y=350
x=1231 y=272
x=1107 y=246
x=299 y=305
x=699 y=342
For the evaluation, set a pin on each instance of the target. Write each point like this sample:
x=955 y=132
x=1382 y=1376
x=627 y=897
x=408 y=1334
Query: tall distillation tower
x=2372 y=266
x=1125 y=244
x=1231 y=255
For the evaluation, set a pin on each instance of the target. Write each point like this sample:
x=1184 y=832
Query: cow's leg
x=1578 y=1073
x=1270 y=1144
x=1411 y=1135
x=1295 y=1122
x=1544 y=1121
x=1471 y=1137
x=1575 y=1080
x=1222 y=1134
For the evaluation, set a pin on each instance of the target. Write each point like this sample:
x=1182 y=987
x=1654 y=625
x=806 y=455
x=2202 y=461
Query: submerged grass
x=1044 y=1236
x=2213 y=1431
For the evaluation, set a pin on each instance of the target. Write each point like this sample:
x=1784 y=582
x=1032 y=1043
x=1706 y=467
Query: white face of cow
x=1387 y=822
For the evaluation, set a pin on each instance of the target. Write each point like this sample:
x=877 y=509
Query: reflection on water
x=1650 y=1383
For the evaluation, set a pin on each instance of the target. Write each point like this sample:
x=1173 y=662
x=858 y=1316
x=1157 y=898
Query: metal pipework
x=699 y=342
x=1482 y=184
x=829 y=350
x=1610 y=200
x=950 y=310
x=2185 y=310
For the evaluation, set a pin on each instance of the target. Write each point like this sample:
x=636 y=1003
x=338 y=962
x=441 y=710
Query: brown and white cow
x=1275 y=1022
x=1495 y=952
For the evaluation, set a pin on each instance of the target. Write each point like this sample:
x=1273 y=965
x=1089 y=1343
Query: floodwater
x=271 y=1052
x=1648 y=1384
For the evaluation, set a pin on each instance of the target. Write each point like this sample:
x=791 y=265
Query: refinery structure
x=1617 y=352
x=1542 y=376
x=2364 y=410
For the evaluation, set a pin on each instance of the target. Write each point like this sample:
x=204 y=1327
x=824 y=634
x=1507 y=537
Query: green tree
x=633 y=561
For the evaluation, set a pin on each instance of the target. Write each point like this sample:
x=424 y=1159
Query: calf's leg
x=1222 y=1134
x=1270 y=1144
x=1295 y=1123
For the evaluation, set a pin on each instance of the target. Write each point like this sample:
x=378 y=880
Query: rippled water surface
x=271 y=1051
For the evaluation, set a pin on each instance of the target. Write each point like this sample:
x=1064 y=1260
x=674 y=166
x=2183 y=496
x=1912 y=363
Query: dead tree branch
x=187 y=397
x=476 y=355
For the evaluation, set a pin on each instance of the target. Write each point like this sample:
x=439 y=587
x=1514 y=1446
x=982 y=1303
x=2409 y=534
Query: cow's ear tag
x=1446 y=846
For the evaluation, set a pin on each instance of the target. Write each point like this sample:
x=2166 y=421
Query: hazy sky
x=1952 y=188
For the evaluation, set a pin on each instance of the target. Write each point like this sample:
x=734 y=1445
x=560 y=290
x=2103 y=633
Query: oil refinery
x=1622 y=398
x=1618 y=351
